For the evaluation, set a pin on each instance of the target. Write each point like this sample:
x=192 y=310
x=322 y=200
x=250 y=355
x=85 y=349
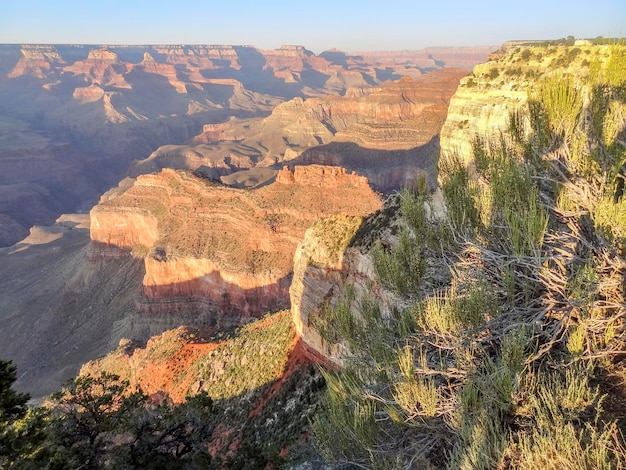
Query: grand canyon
x=86 y=124
x=323 y=244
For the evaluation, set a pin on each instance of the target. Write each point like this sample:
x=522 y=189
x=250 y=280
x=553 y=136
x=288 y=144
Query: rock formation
x=484 y=99
x=36 y=61
x=323 y=262
x=220 y=253
x=387 y=133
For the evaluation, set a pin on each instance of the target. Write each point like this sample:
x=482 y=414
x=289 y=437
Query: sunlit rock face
x=484 y=99
x=222 y=253
x=333 y=264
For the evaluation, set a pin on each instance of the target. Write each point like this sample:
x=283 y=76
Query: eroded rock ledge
x=221 y=253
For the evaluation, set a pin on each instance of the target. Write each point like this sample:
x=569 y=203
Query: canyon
x=387 y=133
x=224 y=156
x=86 y=113
x=271 y=238
x=220 y=255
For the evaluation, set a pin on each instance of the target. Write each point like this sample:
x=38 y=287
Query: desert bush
x=563 y=104
x=412 y=207
x=513 y=72
x=564 y=407
x=496 y=368
x=493 y=73
x=400 y=268
x=346 y=428
x=481 y=443
x=610 y=218
x=515 y=209
x=615 y=74
x=459 y=194
x=453 y=311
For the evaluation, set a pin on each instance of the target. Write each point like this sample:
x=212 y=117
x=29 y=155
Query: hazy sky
x=318 y=25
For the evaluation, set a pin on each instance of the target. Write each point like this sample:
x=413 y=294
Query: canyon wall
x=388 y=133
x=220 y=253
x=484 y=99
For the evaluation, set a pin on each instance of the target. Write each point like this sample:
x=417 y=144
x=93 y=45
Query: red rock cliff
x=221 y=252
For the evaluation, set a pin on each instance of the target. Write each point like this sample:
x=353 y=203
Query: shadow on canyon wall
x=386 y=170
x=211 y=301
x=67 y=302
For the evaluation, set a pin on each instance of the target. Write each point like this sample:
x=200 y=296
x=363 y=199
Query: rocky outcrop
x=320 y=176
x=88 y=94
x=224 y=131
x=220 y=253
x=149 y=65
x=332 y=259
x=484 y=99
x=288 y=62
x=386 y=133
x=102 y=67
x=36 y=61
x=320 y=275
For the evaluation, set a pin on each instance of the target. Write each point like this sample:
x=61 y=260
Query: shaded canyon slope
x=58 y=307
x=84 y=113
x=388 y=133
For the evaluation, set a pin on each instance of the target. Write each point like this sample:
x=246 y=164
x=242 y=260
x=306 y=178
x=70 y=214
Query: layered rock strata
x=113 y=105
x=221 y=253
x=387 y=133
x=484 y=100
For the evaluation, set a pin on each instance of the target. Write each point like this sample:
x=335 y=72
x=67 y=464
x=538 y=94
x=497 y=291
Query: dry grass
x=497 y=369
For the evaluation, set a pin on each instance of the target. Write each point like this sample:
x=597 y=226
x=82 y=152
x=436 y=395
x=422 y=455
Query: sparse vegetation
x=493 y=73
x=495 y=343
x=508 y=365
x=101 y=421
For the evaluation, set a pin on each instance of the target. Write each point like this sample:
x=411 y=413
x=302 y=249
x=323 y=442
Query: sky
x=318 y=25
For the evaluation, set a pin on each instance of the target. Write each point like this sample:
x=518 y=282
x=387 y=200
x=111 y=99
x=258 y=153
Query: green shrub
x=478 y=378
x=557 y=404
x=493 y=73
x=458 y=193
x=400 y=268
x=562 y=102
